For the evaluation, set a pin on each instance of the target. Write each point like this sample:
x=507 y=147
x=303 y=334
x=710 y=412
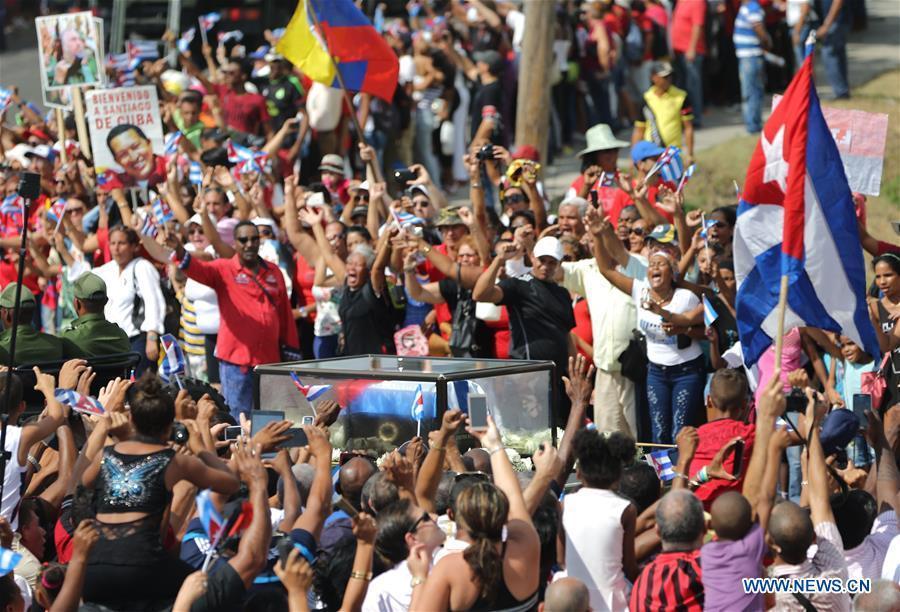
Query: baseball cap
x=549 y=246
x=492 y=58
x=664 y=234
x=447 y=217
x=418 y=189
x=364 y=186
x=644 y=149
x=526 y=151
x=90 y=287
x=42 y=150
x=8 y=297
x=332 y=163
x=266 y=221
x=662 y=69
x=838 y=429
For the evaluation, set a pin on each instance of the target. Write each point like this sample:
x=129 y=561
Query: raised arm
x=638 y=195
x=579 y=387
x=486 y=289
x=597 y=226
x=430 y=293
x=770 y=407
x=819 y=502
x=318 y=502
x=382 y=255
x=429 y=478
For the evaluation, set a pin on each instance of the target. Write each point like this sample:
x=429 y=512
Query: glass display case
x=380 y=396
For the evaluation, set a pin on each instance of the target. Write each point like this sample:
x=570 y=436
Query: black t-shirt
x=364 y=320
x=282 y=100
x=486 y=95
x=540 y=319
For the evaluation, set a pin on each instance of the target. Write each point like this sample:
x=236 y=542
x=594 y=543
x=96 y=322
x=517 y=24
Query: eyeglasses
x=467 y=255
x=361 y=197
x=425 y=518
x=228 y=71
x=516 y=198
x=76 y=209
x=421 y=203
x=246 y=239
x=60 y=181
x=640 y=231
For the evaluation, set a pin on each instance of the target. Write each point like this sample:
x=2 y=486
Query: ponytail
x=482 y=510
x=486 y=563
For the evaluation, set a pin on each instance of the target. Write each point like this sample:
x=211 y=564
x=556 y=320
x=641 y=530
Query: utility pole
x=533 y=107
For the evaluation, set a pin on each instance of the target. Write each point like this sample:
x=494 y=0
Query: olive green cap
x=89 y=287
x=8 y=296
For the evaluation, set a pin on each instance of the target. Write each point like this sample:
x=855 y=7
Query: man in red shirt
x=726 y=408
x=255 y=310
x=244 y=111
x=689 y=44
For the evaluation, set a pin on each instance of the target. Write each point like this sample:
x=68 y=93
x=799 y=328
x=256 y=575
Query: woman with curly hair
x=494 y=572
x=599 y=546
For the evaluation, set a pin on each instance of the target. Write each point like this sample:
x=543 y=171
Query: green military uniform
x=32 y=346
x=91 y=335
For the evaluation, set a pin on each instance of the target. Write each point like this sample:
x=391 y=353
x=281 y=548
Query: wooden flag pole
x=376 y=171
x=61 y=134
x=782 y=306
x=83 y=138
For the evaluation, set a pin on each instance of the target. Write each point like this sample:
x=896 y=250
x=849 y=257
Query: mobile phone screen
x=861 y=403
x=261 y=418
x=477 y=410
x=308 y=420
x=233 y=432
x=297 y=438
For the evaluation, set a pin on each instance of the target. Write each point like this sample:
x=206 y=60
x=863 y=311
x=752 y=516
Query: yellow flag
x=302 y=46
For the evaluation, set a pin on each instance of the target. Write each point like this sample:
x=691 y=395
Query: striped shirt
x=746 y=41
x=672 y=581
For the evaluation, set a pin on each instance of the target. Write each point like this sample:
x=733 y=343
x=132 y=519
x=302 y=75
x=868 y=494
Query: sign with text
x=126 y=136
x=860 y=138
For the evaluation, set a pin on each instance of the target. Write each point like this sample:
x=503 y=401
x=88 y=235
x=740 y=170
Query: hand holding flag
x=84 y=404
x=684 y=177
x=310 y=392
x=660 y=461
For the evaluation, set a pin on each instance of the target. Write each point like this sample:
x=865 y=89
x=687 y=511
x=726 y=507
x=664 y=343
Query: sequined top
x=133 y=483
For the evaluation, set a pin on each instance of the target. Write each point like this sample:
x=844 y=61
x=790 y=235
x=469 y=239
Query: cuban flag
x=184 y=42
x=56 y=210
x=796 y=218
x=142 y=49
x=238 y=153
x=310 y=392
x=606 y=180
x=161 y=212
x=78 y=402
x=5 y=98
x=172 y=362
x=687 y=175
x=8 y=560
x=235 y=35
x=709 y=313
x=708 y=224
x=148 y=227
x=171 y=144
x=668 y=164
x=418 y=405
x=212 y=521
x=195 y=173
x=660 y=462
x=404 y=218
x=209 y=20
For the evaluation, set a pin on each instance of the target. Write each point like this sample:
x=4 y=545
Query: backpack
x=634 y=44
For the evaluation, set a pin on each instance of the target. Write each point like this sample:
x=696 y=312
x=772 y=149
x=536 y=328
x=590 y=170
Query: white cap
x=549 y=246
x=270 y=223
x=315 y=200
x=364 y=186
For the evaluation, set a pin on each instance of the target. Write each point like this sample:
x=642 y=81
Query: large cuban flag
x=796 y=218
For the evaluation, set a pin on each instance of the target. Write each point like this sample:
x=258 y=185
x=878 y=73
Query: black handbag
x=634 y=358
x=462 y=337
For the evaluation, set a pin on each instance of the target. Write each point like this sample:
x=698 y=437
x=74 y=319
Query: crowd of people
x=269 y=231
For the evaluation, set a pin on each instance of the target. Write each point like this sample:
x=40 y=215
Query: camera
x=404 y=176
x=179 y=434
x=796 y=401
x=485 y=153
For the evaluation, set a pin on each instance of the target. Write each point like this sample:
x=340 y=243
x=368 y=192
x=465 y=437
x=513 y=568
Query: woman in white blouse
x=136 y=301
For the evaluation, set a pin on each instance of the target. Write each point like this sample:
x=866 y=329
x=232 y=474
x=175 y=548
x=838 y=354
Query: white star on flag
x=776 y=168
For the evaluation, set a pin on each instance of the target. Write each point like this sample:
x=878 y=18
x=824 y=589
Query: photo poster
x=70 y=51
x=132 y=157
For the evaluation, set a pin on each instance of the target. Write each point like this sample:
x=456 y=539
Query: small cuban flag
x=187 y=37
x=142 y=49
x=212 y=521
x=84 y=404
x=310 y=392
x=404 y=218
x=161 y=212
x=684 y=177
x=8 y=560
x=172 y=362
x=148 y=227
x=707 y=225
x=418 y=409
x=195 y=173
x=668 y=164
x=606 y=180
x=238 y=153
x=660 y=462
x=709 y=313
x=209 y=20
x=5 y=98
x=171 y=144
x=235 y=35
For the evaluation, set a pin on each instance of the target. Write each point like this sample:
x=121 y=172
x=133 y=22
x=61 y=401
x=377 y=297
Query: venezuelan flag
x=366 y=61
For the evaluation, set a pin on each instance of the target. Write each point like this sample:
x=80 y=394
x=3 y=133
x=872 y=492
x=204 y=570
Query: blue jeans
x=834 y=56
x=689 y=76
x=599 y=90
x=753 y=73
x=795 y=474
x=423 y=146
x=800 y=50
x=325 y=346
x=237 y=387
x=674 y=397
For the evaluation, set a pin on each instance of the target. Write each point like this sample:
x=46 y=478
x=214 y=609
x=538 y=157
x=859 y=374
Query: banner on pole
x=860 y=139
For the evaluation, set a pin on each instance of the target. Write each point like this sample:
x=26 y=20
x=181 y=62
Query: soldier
x=32 y=346
x=91 y=335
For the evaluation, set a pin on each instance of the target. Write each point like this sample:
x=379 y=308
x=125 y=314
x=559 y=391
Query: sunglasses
x=246 y=239
x=361 y=197
x=266 y=232
x=640 y=231
x=421 y=203
x=195 y=230
x=516 y=198
x=425 y=518
x=76 y=209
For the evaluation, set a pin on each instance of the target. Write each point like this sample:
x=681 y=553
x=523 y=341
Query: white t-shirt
x=12 y=480
x=792 y=12
x=662 y=349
